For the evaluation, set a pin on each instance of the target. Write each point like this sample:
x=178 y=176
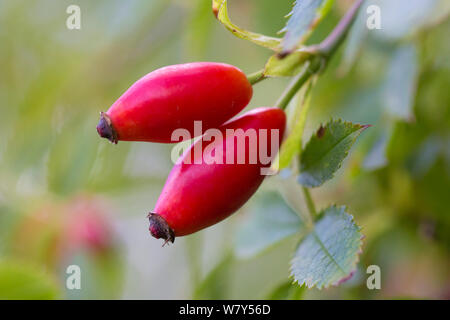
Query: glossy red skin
x=175 y=96
x=196 y=196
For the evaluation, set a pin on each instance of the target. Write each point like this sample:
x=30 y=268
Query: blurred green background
x=69 y=197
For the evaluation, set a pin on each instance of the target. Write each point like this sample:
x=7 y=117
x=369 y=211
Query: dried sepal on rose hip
x=173 y=98
x=200 y=192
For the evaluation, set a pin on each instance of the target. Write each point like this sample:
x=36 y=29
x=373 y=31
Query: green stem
x=311 y=67
x=323 y=51
x=309 y=202
x=328 y=46
x=256 y=77
x=303 y=114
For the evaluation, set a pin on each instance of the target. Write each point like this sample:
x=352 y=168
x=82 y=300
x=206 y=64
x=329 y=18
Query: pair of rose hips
x=196 y=194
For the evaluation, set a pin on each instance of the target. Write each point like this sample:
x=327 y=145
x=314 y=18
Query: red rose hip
x=173 y=98
x=205 y=187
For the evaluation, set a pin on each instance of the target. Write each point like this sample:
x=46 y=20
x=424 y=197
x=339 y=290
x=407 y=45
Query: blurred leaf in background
x=22 y=281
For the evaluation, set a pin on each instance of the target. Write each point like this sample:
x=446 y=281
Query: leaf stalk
x=328 y=46
x=311 y=67
x=256 y=77
x=309 y=202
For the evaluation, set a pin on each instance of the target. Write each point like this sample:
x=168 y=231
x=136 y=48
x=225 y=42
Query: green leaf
x=329 y=254
x=221 y=12
x=304 y=17
x=288 y=66
x=287 y=291
x=325 y=151
x=19 y=280
x=401 y=82
x=271 y=220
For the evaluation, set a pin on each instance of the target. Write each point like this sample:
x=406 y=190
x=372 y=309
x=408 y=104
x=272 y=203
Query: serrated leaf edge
x=354 y=264
x=360 y=129
x=317 y=19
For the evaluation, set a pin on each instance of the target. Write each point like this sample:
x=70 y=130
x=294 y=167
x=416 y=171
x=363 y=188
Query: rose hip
x=174 y=97
x=199 y=193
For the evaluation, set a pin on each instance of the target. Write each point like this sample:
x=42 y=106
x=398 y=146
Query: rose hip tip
x=160 y=229
x=105 y=128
